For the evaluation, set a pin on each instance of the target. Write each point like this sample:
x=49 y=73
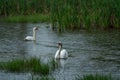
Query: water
x=90 y=52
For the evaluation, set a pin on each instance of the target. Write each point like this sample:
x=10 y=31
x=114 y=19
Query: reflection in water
x=60 y=63
x=60 y=71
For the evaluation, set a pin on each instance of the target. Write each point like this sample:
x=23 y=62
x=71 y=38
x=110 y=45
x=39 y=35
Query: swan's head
x=59 y=44
x=35 y=28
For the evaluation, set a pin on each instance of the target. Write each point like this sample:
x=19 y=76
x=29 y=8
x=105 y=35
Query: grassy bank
x=28 y=18
x=31 y=65
x=66 y=14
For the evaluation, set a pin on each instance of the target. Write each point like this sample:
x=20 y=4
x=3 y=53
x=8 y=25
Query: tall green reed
x=74 y=14
x=68 y=14
x=25 y=7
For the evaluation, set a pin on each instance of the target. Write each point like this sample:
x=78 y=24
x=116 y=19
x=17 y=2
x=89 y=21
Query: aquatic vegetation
x=35 y=65
x=76 y=14
x=23 y=7
x=65 y=14
x=94 y=77
x=53 y=64
x=28 y=18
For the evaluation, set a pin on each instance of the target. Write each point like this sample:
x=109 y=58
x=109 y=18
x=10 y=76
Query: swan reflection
x=60 y=63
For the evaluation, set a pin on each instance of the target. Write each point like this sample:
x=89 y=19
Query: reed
x=94 y=77
x=76 y=14
x=23 y=7
x=32 y=65
x=66 y=14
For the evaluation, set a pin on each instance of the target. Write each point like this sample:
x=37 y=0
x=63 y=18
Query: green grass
x=28 y=18
x=77 y=14
x=66 y=14
x=30 y=65
x=94 y=77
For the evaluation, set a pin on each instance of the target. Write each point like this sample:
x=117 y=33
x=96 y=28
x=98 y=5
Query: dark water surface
x=90 y=52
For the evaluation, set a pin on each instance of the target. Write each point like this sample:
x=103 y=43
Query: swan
x=61 y=53
x=31 y=38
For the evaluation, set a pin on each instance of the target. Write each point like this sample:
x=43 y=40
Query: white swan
x=61 y=53
x=30 y=38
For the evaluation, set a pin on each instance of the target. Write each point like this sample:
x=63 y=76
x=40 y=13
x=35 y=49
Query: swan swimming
x=32 y=38
x=61 y=53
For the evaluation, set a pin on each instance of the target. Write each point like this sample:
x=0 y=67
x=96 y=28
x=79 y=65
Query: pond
x=90 y=52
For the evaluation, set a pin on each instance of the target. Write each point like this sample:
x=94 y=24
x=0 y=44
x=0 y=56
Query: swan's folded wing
x=64 y=54
x=29 y=38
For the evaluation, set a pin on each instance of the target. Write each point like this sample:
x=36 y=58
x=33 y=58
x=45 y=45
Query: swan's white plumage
x=30 y=38
x=63 y=54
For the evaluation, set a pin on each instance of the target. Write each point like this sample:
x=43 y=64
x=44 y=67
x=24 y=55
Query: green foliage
x=28 y=18
x=23 y=7
x=35 y=65
x=66 y=14
x=94 y=77
x=15 y=65
x=74 y=14
x=53 y=64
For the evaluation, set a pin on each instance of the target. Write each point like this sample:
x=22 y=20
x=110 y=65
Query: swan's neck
x=34 y=34
x=60 y=48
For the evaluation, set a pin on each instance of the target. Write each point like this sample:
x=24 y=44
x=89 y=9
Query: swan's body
x=31 y=38
x=61 y=53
